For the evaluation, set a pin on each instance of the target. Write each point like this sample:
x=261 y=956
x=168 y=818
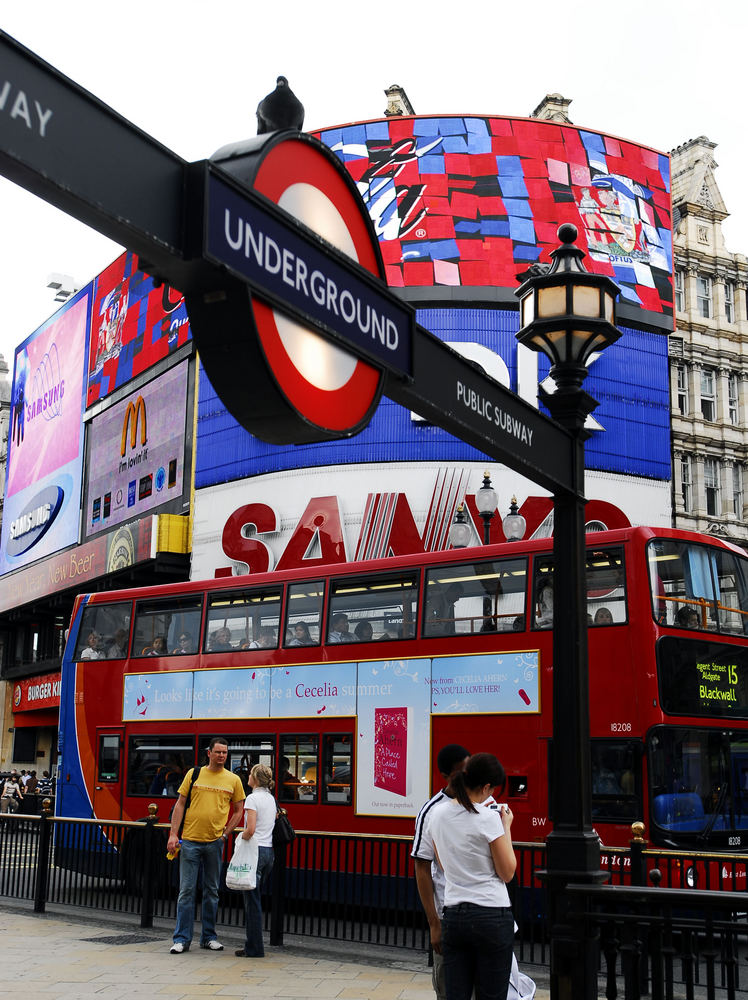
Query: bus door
x=107 y=796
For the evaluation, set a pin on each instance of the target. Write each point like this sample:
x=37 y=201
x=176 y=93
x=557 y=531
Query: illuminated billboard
x=133 y=325
x=45 y=443
x=473 y=201
x=136 y=453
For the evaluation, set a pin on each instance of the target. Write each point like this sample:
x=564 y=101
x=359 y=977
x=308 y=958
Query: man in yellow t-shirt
x=216 y=806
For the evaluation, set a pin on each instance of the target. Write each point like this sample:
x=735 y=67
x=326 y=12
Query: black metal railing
x=343 y=886
x=665 y=943
x=668 y=922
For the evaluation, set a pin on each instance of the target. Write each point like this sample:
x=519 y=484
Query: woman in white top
x=260 y=810
x=473 y=845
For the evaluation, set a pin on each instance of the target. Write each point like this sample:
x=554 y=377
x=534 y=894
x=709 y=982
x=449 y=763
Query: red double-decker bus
x=347 y=680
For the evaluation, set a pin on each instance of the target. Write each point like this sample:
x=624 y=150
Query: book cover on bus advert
x=391 y=749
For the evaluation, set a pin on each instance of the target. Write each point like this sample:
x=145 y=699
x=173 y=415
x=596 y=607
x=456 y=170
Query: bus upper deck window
x=543 y=596
x=304 y=614
x=606 y=587
x=467 y=598
x=243 y=620
x=167 y=627
x=104 y=632
x=372 y=608
x=696 y=586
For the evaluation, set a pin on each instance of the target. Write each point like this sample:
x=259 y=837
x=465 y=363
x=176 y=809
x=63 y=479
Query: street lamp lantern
x=567 y=313
x=514 y=524
x=486 y=501
x=459 y=531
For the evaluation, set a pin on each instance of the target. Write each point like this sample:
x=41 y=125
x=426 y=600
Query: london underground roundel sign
x=280 y=378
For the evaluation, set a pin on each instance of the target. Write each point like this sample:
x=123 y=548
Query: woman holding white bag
x=260 y=809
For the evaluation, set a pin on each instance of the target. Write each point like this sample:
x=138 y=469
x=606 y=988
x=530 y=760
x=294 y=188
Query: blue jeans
x=195 y=853
x=253 y=945
x=477 y=947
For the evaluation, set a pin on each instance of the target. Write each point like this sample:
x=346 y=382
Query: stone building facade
x=707 y=351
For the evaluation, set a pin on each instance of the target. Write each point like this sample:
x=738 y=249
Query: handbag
x=241 y=873
x=283 y=832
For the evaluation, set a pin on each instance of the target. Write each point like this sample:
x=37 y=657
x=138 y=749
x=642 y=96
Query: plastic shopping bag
x=242 y=871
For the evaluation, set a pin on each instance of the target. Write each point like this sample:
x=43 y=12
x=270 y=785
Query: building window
x=704 y=296
x=685 y=480
x=708 y=395
x=682 y=372
x=737 y=490
x=730 y=301
x=680 y=297
x=711 y=486
x=732 y=397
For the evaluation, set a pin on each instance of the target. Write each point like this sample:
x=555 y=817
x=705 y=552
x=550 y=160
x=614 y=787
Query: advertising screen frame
x=41 y=512
x=114 y=412
x=463 y=203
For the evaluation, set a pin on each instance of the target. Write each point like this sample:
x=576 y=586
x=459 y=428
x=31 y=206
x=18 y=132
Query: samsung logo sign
x=33 y=523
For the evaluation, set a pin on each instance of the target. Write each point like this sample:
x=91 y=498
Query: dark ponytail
x=482 y=769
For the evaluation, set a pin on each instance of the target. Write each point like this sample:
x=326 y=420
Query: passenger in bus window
x=363 y=631
x=301 y=635
x=440 y=616
x=118 y=649
x=518 y=625
x=604 y=616
x=545 y=604
x=220 y=641
x=288 y=781
x=265 y=638
x=93 y=650
x=159 y=647
x=340 y=629
x=687 y=617
x=186 y=644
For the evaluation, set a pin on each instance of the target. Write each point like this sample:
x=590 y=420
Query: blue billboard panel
x=631 y=434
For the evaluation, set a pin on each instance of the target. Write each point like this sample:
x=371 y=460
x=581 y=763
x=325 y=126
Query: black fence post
x=149 y=842
x=639 y=878
x=277 y=894
x=42 y=857
x=636 y=847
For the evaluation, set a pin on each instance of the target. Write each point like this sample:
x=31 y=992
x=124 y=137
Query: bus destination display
x=702 y=678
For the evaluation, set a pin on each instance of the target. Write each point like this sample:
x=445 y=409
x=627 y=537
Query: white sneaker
x=177 y=948
x=212 y=945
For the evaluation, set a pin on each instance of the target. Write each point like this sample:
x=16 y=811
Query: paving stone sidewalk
x=50 y=958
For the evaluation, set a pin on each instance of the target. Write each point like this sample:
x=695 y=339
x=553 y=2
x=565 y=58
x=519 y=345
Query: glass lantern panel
x=527 y=307
x=609 y=300
x=586 y=300
x=552 y=301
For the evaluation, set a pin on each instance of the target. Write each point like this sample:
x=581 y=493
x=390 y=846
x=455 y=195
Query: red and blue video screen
x=474 y=201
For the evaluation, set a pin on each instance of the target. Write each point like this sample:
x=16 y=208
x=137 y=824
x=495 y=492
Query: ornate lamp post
x=459 y=530
x=567 y=313
x=486 y=502
x=514 y=524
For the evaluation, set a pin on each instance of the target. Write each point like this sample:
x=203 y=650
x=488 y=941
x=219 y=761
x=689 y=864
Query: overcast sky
x=191 y=73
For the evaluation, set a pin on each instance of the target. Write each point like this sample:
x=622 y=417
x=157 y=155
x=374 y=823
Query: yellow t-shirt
x=212 y=795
